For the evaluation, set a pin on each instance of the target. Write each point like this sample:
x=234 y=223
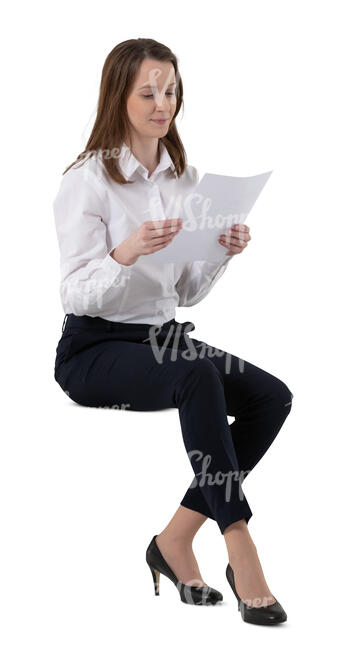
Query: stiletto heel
x=156 y=577
x=267 y=615
x=191 y=595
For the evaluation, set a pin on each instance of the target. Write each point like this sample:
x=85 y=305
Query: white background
x=267 y=85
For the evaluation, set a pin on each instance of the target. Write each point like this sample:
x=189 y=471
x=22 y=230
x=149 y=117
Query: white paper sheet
x=216 y=203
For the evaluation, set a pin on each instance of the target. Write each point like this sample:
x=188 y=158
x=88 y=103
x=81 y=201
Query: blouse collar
x=129 y=163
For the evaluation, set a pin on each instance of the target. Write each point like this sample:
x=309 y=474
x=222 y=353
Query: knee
x=283 y=394
x=196 y=374
x=200 y=370
x=204 y=367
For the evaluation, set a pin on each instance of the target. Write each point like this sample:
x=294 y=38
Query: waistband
x=98 y=323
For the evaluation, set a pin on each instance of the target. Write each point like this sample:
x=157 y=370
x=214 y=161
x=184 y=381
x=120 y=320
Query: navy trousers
x=145 y=367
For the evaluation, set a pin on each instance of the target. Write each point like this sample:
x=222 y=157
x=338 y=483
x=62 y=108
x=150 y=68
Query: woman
x=121 y=345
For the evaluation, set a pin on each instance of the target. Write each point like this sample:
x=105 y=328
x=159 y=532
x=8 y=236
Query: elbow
x=189 y=302
x=80 y=302
x=79 y=308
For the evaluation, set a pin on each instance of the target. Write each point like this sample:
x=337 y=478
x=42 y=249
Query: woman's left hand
x=236 y=238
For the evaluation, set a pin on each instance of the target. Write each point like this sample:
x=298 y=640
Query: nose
x=163 y=102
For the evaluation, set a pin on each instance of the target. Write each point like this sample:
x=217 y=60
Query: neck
x=147 y=152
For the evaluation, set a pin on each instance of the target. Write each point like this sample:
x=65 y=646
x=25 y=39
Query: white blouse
x=93 y=214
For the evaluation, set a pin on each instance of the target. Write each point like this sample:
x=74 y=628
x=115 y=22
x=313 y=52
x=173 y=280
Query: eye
x=148 y=96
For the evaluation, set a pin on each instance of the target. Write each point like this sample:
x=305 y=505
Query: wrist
x=119 y=255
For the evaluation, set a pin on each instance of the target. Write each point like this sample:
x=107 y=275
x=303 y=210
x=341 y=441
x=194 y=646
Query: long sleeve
x=197 y=279
x=91 y=280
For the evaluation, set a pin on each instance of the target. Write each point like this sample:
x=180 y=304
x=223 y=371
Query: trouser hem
x=244 y=512
x=227 y=521
x=203 y=511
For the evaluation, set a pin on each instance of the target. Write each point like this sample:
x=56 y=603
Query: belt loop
x=65 y=318
x=190 y=329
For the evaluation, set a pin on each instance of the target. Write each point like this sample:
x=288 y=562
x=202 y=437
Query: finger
x=156 y=242
x=164 y=230
x=233 y=250
x=229 y=250
x=236 y=238
x=231 y=239
x=240 y=226
x=241 y=234
x=234 y=246
x=156 y=223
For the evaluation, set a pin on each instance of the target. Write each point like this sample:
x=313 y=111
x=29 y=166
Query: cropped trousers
x=144 y=367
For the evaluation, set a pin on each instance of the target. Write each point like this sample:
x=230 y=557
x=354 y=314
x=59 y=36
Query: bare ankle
x=241 y=556
x=175 y=539
x=240 y=544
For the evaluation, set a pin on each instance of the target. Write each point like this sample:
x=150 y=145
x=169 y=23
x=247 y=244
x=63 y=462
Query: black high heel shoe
x=267 y=615
x=191 y=595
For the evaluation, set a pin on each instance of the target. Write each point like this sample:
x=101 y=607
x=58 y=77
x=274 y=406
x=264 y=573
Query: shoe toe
x=215 y=595
x=270 y=615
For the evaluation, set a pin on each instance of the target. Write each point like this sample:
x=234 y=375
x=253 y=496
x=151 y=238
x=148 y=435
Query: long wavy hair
x=112 y=126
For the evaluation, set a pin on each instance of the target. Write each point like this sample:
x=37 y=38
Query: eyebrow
x=150 y=85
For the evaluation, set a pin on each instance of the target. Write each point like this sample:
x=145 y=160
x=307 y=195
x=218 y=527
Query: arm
x=91 y=278
x=197 y=279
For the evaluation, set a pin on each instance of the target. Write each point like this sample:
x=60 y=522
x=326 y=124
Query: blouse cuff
x=110 y=265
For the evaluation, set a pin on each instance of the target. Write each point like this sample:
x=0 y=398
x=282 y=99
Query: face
x=153 y=97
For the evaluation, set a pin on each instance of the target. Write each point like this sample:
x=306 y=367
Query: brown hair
x=112 y=125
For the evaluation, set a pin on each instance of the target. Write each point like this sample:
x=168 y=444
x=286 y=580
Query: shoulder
x=190 y=177
x=193 y=173
x=86 y=177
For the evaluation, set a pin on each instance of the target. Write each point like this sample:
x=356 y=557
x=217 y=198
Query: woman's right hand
x=148 y=238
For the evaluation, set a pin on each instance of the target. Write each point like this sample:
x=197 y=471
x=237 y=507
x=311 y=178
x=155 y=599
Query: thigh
x=245 y=384
x=123 y=374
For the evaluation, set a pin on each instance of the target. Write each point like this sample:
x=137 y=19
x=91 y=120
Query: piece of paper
x=216 y=203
